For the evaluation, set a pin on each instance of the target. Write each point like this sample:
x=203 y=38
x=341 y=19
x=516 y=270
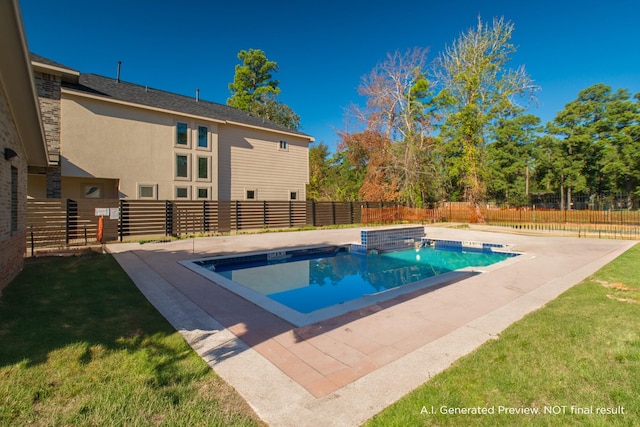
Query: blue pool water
x=309 y=281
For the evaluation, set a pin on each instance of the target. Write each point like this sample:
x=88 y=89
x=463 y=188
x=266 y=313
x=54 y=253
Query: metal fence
x=63 y=223
x=618 y=224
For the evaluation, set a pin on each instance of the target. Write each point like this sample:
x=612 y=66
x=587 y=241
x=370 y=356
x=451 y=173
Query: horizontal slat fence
x=64 y=223
x=60 y=223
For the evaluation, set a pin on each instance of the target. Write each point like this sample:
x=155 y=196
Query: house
x=121 y=140
x=22 y=141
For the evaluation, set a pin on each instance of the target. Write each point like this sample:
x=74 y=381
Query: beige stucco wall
x=134 y=145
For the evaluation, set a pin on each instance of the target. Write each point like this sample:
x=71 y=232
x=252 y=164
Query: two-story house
x=121 y=140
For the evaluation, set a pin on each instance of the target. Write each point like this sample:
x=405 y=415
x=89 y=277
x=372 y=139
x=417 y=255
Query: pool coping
x=258 y=371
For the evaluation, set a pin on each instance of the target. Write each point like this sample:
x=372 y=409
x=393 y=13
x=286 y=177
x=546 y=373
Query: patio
x=344 y=370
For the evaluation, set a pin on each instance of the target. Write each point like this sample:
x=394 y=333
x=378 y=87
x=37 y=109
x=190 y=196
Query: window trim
x=197 y=166
x=207 y=189
x=181 y=187
x=197 y=131
x=294 y=192
x=188 y=167
x=187 y=134
x=154 y=190
x=253 y=190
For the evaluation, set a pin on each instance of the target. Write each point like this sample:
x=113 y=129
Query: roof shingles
x=128 y=92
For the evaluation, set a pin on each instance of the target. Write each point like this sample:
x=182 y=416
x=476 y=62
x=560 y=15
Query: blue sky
x=324 y=48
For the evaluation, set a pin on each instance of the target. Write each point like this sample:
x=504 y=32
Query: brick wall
x=12 y=238
x=48 y=89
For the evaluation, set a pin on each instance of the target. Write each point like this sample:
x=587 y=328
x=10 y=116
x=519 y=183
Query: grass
x=579 y=353
x=81 y=346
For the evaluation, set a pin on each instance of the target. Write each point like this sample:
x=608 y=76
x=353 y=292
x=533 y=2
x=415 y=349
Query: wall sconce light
x=9 y=153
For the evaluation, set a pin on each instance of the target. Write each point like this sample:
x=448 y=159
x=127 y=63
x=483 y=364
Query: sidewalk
x=344 y=370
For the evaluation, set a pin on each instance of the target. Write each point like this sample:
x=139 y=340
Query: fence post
x=120 y=225
x=71 y=212
x=168 y=220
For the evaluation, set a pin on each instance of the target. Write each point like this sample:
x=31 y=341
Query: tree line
x=457 y=130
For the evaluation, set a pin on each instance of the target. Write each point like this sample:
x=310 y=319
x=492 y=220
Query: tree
x=510 y=158
x=254 y=89
x=477 y=89
x=396 y=138
x=597 y=137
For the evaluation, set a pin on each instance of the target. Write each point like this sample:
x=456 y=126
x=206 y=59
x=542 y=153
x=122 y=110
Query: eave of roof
x=17 y=80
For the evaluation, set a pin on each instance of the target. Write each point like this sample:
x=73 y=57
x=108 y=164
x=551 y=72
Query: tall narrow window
x=181 y=133
x=203 y=137
x=14 y=199
x=203 y=168
x=182 y=166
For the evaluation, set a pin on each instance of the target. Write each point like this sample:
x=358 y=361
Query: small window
x=182 y=166
x=203 y=193
x=14 y=199
x=251 y=195
x=91 y=191
x=283 y=145
x=203 y=168
x=293 y=195
x=146 y=191
x=182 y=193
x=203 y=137
x=181 y=134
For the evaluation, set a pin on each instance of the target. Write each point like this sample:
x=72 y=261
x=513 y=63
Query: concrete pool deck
x=342 y=371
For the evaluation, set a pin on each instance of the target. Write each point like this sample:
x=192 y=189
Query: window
x=283 y=146
x=293 y=195
x=182 y=166
x=14 y=199
x=203 y=193
x=181 y=134
x=147 y=191
x=92 y=191
x=203 y=168
x=182 y=192
x=203 y=137
x=251 y=195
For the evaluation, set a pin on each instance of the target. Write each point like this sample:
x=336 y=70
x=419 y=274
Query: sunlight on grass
x=88 y=349
x=571 y=360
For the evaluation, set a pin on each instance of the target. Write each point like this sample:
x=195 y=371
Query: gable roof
x=112 y=89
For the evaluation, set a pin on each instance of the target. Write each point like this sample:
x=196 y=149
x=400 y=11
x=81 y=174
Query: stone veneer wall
x=12 y=241
x=48 y=88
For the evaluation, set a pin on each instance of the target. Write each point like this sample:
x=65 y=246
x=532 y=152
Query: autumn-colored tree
x=397 y=122
x=370 y=150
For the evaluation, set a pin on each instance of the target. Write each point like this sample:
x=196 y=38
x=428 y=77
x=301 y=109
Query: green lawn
x=574 y=359
x=80 y=345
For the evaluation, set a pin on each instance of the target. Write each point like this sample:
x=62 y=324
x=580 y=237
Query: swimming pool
x=304 y=285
